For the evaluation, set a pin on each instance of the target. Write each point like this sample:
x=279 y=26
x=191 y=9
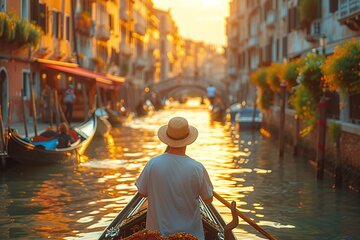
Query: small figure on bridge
x=174 y=182
x=211 y=93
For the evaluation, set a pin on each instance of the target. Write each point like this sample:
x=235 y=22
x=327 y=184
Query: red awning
x=73 y=69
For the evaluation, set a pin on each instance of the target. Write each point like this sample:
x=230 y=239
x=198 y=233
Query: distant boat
x=103 y=124
x=45 y=153
x=216 y=113
x=132 y=219
x=248 y=118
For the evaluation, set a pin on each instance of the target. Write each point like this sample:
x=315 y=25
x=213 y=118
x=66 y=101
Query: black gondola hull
x=26 y=153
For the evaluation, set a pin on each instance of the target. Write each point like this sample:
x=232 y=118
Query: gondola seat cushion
x=73 y=134
x=48 y=145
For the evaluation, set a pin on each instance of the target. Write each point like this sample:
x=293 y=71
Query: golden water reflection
x=78 y=202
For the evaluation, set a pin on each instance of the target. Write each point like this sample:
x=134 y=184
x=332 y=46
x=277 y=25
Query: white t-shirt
x=173 y=184
x=211 y=91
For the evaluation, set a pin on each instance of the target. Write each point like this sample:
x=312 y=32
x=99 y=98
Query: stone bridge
x=180 y=87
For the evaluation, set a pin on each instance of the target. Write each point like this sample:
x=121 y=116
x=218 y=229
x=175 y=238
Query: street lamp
x=322 y=43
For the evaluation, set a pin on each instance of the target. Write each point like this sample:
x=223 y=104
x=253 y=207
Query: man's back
x=173 y=184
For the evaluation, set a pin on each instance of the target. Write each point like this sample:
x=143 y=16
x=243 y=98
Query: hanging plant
x=9 y=29
x=310 y=75
x=258 y=78
x=308 y=12
x=307 y=94
x=18 y=31
x=22 y=31
x=3 y=19
x=342 y=69
x=304 y=104
x=35 y=33
x=265 y=96
x=291 y=72
x=273 y=77
x=265 y=99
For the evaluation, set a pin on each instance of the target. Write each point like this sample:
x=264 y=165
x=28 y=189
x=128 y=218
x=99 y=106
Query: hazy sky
x=198 y=19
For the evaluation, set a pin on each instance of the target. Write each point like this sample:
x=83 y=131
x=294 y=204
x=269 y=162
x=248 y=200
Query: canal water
x=78 y=202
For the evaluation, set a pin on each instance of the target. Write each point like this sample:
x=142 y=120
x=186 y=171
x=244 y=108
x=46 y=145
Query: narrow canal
x=78 y=202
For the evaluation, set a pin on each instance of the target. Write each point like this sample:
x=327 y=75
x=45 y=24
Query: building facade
x=261 y=32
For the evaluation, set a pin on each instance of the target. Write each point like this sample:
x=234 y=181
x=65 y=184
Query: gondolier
x=173 y=183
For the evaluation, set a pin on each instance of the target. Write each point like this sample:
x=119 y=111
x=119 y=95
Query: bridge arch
x=177 y=88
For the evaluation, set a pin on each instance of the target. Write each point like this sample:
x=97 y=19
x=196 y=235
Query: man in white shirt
x=211 y=93
x=173 y=183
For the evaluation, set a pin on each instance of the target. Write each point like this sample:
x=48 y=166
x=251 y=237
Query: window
x=43 y=17
x=26 y=84
x=86 y=6
x=56 y=24
x=284 y=41
x=111 y=22
x=67 y=28
x=333 y=5
x=24 y=9
x=2 y=5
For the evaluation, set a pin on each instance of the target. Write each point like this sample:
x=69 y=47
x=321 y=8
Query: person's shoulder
x=196 y=163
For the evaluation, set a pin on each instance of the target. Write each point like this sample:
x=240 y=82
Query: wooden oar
x=244 y=217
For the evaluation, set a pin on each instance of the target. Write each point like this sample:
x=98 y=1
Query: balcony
x=124 y=15
x=270 y=18
x=140 y=28
x=234 y=19
x=103 y=33
x=85 y=25
x=349 y=13
x=125 y=49
x=253 y=41
x=232 y=72
x=315 y=32
x=140 y=62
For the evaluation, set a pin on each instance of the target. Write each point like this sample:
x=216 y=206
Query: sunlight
x=197 y=19
x=212 y=2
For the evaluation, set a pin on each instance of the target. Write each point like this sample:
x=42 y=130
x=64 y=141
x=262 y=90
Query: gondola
x=26 y=152
x=103 y=124
x=133 y=217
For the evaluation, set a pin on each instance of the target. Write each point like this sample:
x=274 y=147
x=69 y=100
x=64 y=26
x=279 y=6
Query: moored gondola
x=132 y=219
x=20 y=150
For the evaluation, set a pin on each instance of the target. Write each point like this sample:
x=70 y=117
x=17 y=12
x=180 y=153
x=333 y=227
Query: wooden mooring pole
x=23 y=113
x=297 y=135
x=320 y=154
x=33 y=104
x=57 y=113
x=282 y=119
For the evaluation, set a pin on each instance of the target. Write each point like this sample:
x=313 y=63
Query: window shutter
x=333 y=5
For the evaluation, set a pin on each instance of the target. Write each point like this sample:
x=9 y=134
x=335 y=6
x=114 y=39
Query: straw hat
x=178 y=133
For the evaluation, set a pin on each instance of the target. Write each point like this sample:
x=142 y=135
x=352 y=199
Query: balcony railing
x=348 y=8
x=253 y=41
x=140 y=62
x=85 y=25
x=125 y=49
x=103 y=33
x=124 y=15
x=232 y=71
x=140 y=28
